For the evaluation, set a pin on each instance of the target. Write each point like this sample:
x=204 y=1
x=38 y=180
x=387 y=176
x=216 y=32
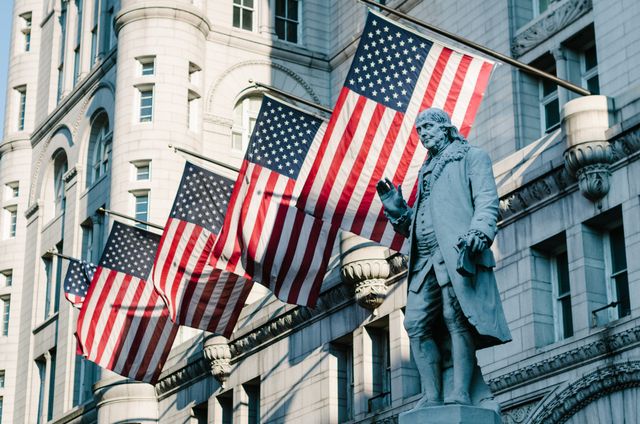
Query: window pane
x=1 y=379
x=293 y=10
x=247 y=16
x=142 y=209
x=552 y=114
x=142 y=172
x=548 y=87
x=280 y=28
x=280 y=8
x=622 y=291
x=292 y=32
x=567 y=319
x=236 y=17
x=593 y=85
x=618 y=260
x=563 y=274
x=146 y=105
x=590 y=58
x=5 y=316
x=248 y=3
x=148 y=68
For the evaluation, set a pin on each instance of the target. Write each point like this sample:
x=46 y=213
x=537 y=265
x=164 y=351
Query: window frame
x=138 y=194
x=559 y=323
x=6 y=314
x=144 y=90
x=241 y=7
x=287 y=21
x=27 y=25
x=611 y=274
x=22 y=106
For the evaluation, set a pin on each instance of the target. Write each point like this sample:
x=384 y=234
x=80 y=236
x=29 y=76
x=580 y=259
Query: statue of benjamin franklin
x=453 y=305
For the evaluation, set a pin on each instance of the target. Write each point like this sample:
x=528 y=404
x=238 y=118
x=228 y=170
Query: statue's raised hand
x=391 y=197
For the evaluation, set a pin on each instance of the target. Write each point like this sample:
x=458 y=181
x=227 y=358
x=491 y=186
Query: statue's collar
x=453 y=152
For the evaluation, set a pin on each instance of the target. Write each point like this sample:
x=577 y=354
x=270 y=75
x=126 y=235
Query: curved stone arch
x=52 y=144
x=237 y=77
x=92 y=102
x=591 y=387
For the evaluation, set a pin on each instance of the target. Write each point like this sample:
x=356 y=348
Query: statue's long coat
x=464 y=196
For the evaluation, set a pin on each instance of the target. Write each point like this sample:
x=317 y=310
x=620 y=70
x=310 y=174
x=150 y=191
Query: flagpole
x=139 y=221
x=291 y=96
x=199 y=156
x=496 y=55
x=69 y=258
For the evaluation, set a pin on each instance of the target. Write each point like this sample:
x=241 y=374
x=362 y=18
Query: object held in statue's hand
x=465 y=266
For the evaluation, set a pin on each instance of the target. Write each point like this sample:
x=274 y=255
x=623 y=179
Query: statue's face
x=432 y=135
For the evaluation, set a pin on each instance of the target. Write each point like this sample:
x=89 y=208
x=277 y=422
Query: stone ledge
x=450 y=414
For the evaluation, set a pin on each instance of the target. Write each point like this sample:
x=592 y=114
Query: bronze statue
x=453 y=305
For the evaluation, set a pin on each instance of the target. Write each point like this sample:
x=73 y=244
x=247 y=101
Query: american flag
x=124 y=325
x=77 y=280
x=264 y=237
x=197 y=294
x=395 y=74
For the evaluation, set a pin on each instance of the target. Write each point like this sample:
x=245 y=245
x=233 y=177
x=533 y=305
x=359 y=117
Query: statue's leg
x=423 y=309
x=462 y=347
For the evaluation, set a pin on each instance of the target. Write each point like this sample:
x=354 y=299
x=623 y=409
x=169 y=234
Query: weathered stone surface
x=450 y=414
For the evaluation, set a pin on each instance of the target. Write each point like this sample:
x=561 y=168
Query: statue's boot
x=464 y=361
x=427 y=359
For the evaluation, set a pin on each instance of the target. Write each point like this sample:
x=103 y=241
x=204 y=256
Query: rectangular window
x=287 y=20
x=76 y=49
x=22 y=106
x=41 y=364
x=7 y=277
x=52 y=386
x=550 y=105
x=243 y=14
x=193 y=100
x=562 y=290
x=1 y=407
x=381 y=368
x=194 y=73
x=48 y=275
x=617 y=267
x=86 y=373
x=87 y=241
x=589 y=63
x=147 y=65
x=143 y=171
x=342 y=351
x=63 y=46
x=252 y=390
x=6 y=313
x=146 y=105
x=26 y=30
x=142 y=208
x=13 y=190
x=200 y=413
x=1 y=379
x=94 y=32
x=224 y=413
x=12 y=220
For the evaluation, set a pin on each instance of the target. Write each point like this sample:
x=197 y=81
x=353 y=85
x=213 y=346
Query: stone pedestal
x=450 y=414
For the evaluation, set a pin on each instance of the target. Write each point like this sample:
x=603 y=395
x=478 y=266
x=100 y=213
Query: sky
x=6 y=7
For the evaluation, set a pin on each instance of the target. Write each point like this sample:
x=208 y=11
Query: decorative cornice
x=552 y=21
x=333 y=299
x=159 y=9
x=217 y=353
x=595 y=385
x=607 y=345
x=558 y=182
x=534 y=193
x=185 y=376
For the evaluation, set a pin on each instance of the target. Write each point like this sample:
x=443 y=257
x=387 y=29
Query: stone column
x=405 y=380
x=120 y=400
x=267 y=17
x=561 y=72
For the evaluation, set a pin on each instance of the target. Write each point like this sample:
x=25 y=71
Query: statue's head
x=435 y=129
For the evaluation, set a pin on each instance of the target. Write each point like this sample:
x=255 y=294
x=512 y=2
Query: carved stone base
x=450 y=414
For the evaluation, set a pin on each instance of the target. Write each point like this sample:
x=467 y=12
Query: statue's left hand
x=476 y=241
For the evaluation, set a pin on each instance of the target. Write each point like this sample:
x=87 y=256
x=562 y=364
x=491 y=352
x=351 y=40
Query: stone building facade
x=97 y=89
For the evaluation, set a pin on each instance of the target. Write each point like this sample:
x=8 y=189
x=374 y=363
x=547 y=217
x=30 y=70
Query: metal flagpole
x=291 y=96
x=69 y=258
x=199 y=156
x=496 y=55
x=139 y=221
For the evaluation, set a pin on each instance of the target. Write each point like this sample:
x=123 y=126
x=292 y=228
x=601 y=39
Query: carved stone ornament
x=593 y=386
x=557 y=17
x=364 y=266
x=589 y=155
x=216 y=351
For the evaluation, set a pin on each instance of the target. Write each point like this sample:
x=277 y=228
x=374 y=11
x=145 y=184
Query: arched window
x=99 y=149
x=245 y=114
x=60 y=167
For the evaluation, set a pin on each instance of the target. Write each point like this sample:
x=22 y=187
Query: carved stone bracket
x=364 y=265
x=589 y=388
x=216 y=351
x=589 y=155
x=549 y=23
